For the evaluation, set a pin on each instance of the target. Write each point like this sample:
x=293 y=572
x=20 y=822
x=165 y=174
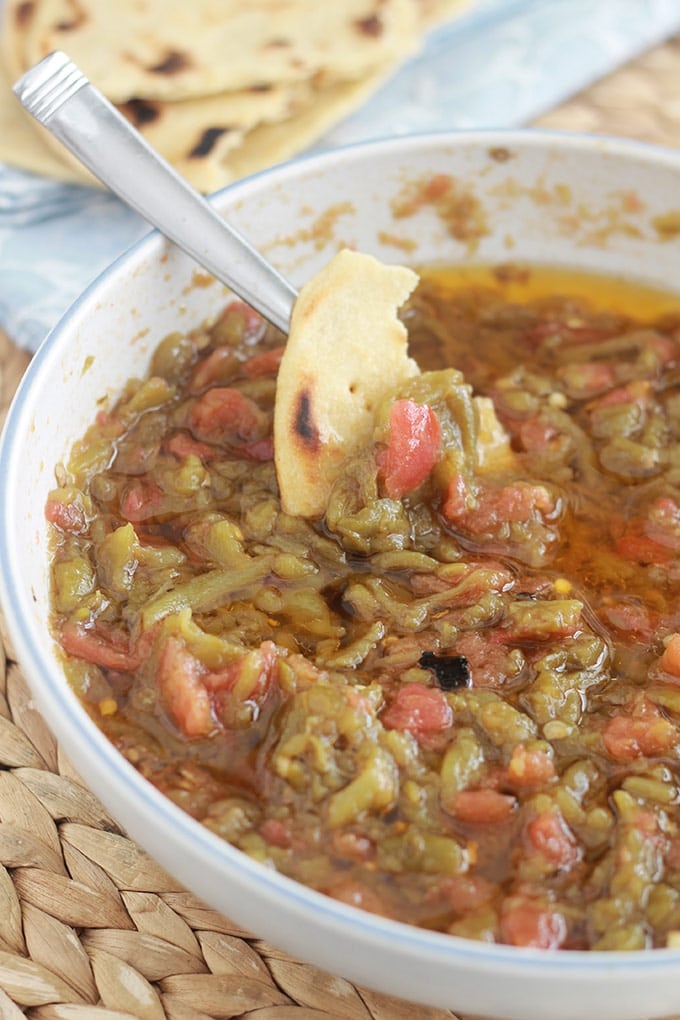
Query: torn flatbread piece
x=347 y=349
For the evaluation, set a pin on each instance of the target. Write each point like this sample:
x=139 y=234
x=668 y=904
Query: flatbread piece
x=346 y=350
x=170 y=49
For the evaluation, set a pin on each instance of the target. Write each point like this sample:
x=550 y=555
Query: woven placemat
x=90 y=926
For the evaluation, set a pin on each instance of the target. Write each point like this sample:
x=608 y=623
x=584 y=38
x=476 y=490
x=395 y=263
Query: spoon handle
x=60 y=97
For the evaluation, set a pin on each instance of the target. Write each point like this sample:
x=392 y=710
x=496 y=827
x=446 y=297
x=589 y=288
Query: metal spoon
x=60 y=97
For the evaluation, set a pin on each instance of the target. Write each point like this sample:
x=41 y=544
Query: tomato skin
x=420 y=710
x=413 y=447
x=670 y=659
x=482 y=807
x=68 y=517
x=249 y=677
x=181 y=445
x=106 y=649
x=549 y=836
x=239 y=323
x=218 y=367
x=261 y=450
x=224 y=414
x=457 y=498
x=465 y=893
x=536 y=435
x=180 y=681
x=140 y=500
x=530 y=768
x=201 y=702
x=356 y=894
x=276 y=832
x=266 y=363
x=639 y=731
x=528 y=924
x=512 y=503
x=651 y=539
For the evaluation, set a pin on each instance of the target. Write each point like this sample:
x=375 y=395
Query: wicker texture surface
x=90 y=926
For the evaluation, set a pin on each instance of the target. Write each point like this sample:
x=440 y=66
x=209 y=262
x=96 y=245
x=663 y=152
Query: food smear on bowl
x=452 y=698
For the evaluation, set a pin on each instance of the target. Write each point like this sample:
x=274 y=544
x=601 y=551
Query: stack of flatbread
x=222 y=88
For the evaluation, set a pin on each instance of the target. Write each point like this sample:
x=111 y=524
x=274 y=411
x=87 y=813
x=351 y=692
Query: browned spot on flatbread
x=77 y=20
x=305 y=429
x=207 y=142
x=172 y=63
x=140 y=111
x=263 y=86
x=24 y=14
x=372 y=26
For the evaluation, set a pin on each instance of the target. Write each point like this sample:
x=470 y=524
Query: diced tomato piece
x=266 y=363
x=352 y=844
x=200 y=701
x=639 y=731
x=420 y=710
x=514 y=503
x=530 y=768
x=140 y=501
x=651 y=539
x=353 y=892
x=549 y=834
x=225 y=414
x=466 y=893
x=647 y=822
x=528 y=924
x=567 y=334
x=637 y=392
x=630 y=619
x=489 y=662
x=519 y=501
x=276 y=832
x=663 y=524
x=535 y=434
x=217 y=367
x=413 y=447
x=262 y=450
x=640 y=548
x=305 y=672
x=665 y=347
x=107 y=649
x=457 y=498
x=180 y=681
x=182 y=445
x=482 y=806
x=66 y=516
x=239 y=323
x=670 y=660
x=673 y=853
x=249 y=678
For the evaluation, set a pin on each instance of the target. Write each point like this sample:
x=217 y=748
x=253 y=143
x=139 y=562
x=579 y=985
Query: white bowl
x=548 y=198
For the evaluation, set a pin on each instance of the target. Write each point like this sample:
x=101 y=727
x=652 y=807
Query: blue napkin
x=500 y=65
